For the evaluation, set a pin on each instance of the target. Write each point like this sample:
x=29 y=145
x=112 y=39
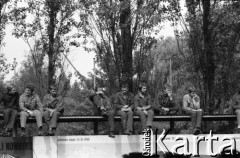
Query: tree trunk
x=209 y=56
x=51 y=52
x=125 y=23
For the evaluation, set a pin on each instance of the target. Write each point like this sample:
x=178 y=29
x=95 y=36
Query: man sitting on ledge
x=143 y=106
x=53 y=108
x=236 y=107
x=123 y=103
x=102 y=106
x=11 y=106
x=30 y=105
x=191 y=104
x=164 y=102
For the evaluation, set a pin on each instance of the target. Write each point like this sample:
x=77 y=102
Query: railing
x=170 y=118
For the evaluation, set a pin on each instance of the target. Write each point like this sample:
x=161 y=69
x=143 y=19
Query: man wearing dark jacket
x=102 y=106
x=11 y=104
x=123 y=104
x=52 y=109
x=164 y=102
x=143 y=106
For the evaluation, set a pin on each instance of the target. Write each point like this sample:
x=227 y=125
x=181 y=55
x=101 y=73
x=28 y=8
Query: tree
x=209 y=55
x=3 y=19
x=210 y=29
x=50 y=28
x=127 y=42
x=119 y=27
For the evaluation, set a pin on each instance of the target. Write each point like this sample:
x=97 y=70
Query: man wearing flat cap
x=11 y=106
x=30 y=106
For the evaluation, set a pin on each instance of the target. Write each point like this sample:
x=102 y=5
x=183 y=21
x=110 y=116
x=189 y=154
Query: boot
x=40 y=132
x=23 y=133
x=111 y=134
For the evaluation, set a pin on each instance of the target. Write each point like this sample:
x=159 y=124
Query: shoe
x=238 y=130
x=111 y=134
x=147 y=128
x=129 y=133
x=3 y=133
x=196 y=131
x=8 y=133
x=40 y=133
x=51 y=131
x=54 y=131
x=23 y=134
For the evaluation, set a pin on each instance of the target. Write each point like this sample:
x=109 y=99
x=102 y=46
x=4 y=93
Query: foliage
x=124 y=36
x=116 y=28
x=30 y=73
x=47 y=24
x=3 y=19
x=223 y=36
x=5 y=67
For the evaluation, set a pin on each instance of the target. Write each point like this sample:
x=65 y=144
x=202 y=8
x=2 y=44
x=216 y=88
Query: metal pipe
x=94 y=74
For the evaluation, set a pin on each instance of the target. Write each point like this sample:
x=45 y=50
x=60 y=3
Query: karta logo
x=6 y=156
x=181 y=144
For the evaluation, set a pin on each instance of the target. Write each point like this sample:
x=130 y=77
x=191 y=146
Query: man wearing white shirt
x=191 y=104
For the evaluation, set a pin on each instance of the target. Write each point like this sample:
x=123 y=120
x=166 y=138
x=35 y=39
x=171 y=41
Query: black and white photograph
x=119 y=78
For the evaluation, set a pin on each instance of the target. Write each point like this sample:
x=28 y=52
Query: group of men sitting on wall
x=126 y=105
x=29 y=105
x=123 y=103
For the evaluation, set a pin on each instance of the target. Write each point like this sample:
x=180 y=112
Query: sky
x=82 y=60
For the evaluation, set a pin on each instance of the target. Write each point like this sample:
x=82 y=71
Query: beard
x=143 y=92
x=124 y=93
x=101 y=95
x=54 y=95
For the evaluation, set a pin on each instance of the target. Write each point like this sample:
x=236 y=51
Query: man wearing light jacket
x=191 y=105
x=30 y=106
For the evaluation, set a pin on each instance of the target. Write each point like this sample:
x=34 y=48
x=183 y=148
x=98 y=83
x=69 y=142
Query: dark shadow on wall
x=166 y=155
x=226 y=154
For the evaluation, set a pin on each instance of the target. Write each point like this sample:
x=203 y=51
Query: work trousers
x=110 y=114
x=237 y=111
x=146 y=120
x=10 y=116
x=127 y=120
x=36 y=113
x=51 y=121
x=196 y=118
